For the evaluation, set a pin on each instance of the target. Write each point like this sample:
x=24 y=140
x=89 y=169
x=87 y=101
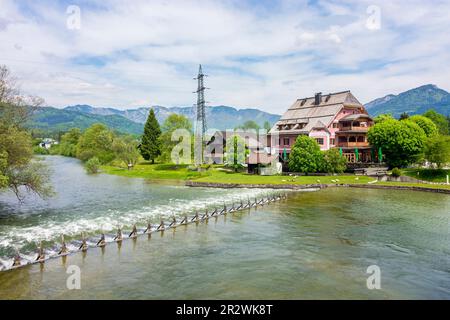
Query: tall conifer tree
x=151 y=143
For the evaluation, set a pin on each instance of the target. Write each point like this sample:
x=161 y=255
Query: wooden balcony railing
x=359 y=129
x=353 y=144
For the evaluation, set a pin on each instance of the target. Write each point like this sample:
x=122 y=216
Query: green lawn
x=433 y=175
x=216 y=174
x=409 y=184
x=242 y=178
x=155 y=171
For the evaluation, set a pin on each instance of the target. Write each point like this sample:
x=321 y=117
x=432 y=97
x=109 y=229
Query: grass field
x=432 y=175
x=217 y=174
x=155 y=171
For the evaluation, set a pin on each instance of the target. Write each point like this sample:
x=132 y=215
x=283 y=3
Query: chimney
x=318 y=98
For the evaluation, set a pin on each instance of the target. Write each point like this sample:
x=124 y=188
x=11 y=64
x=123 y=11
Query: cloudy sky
x=262 y=54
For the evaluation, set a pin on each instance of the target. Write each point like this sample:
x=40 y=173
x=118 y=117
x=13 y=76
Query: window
x=361 y=139
x=286 y=141
x=335 y=125
x=320 y=141
x=332 y=141
x=352 y=139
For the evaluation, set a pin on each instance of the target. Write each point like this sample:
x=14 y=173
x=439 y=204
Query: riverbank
x=216 y=176
x=381 y=185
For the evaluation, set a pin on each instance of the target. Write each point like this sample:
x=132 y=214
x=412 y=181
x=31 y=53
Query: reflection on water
x=314 y=245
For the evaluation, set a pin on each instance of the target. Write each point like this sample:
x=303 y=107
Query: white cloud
x=256 y=56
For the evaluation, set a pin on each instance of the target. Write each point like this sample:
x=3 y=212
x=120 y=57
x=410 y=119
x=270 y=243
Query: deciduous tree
x=426 y=124
x=18 y=171
x=402 y=142
x=437 y=150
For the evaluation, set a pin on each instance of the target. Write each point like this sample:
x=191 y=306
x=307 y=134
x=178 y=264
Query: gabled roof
x=306 y=111
x=352 y=117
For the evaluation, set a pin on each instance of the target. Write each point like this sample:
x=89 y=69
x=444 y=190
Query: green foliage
x=235 y=152
x=68 y=144
x=333 y=162
x=172 y=123
x=448 y=121
x=402 y=142
x=383 y=117
x=3 y=167
x=433 y=175
x=93 y=165
x=396 y=172
x=267 y=126
x=305 y=155
x=151 y=143
x=250 y=124
x=126 y=150
x=17 y=144
x=437 y=150
x=96 y=141
x=41 y=151
x=439 y=120
x=426 y=124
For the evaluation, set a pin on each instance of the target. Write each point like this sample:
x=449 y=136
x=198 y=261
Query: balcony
x=353 y=144
x=352 y=129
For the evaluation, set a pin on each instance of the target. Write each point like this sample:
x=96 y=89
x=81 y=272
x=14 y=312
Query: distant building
x=335 y=120
x=47 y=143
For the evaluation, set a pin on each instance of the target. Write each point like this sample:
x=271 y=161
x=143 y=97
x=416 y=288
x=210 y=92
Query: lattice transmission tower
x=200 y=110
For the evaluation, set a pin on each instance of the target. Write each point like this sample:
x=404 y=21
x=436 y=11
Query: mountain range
x=132 y=120
x=414 y=101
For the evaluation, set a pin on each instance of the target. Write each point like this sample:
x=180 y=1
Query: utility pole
x=200 y=125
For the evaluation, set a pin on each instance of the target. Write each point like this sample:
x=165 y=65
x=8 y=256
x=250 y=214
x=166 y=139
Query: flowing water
x=312 y=245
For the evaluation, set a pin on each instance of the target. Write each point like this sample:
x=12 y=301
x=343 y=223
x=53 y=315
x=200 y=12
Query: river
x=314 y=245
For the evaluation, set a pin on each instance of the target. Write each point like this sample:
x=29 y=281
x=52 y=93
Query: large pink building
x=335 y=120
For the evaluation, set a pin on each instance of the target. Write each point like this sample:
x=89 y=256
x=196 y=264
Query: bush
x=333 y=162
x=305 y=155
x=93 y=165
x=40 y=150
x=396 y=172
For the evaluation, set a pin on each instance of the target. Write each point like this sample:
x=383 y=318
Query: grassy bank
x=155 y=172
x=216 y=174
x=432 y=175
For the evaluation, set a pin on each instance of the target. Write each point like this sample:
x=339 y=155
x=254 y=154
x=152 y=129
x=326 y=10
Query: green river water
x=314 y=245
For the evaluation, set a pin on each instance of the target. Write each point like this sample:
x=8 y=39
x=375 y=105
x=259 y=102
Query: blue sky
x=262 y=54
